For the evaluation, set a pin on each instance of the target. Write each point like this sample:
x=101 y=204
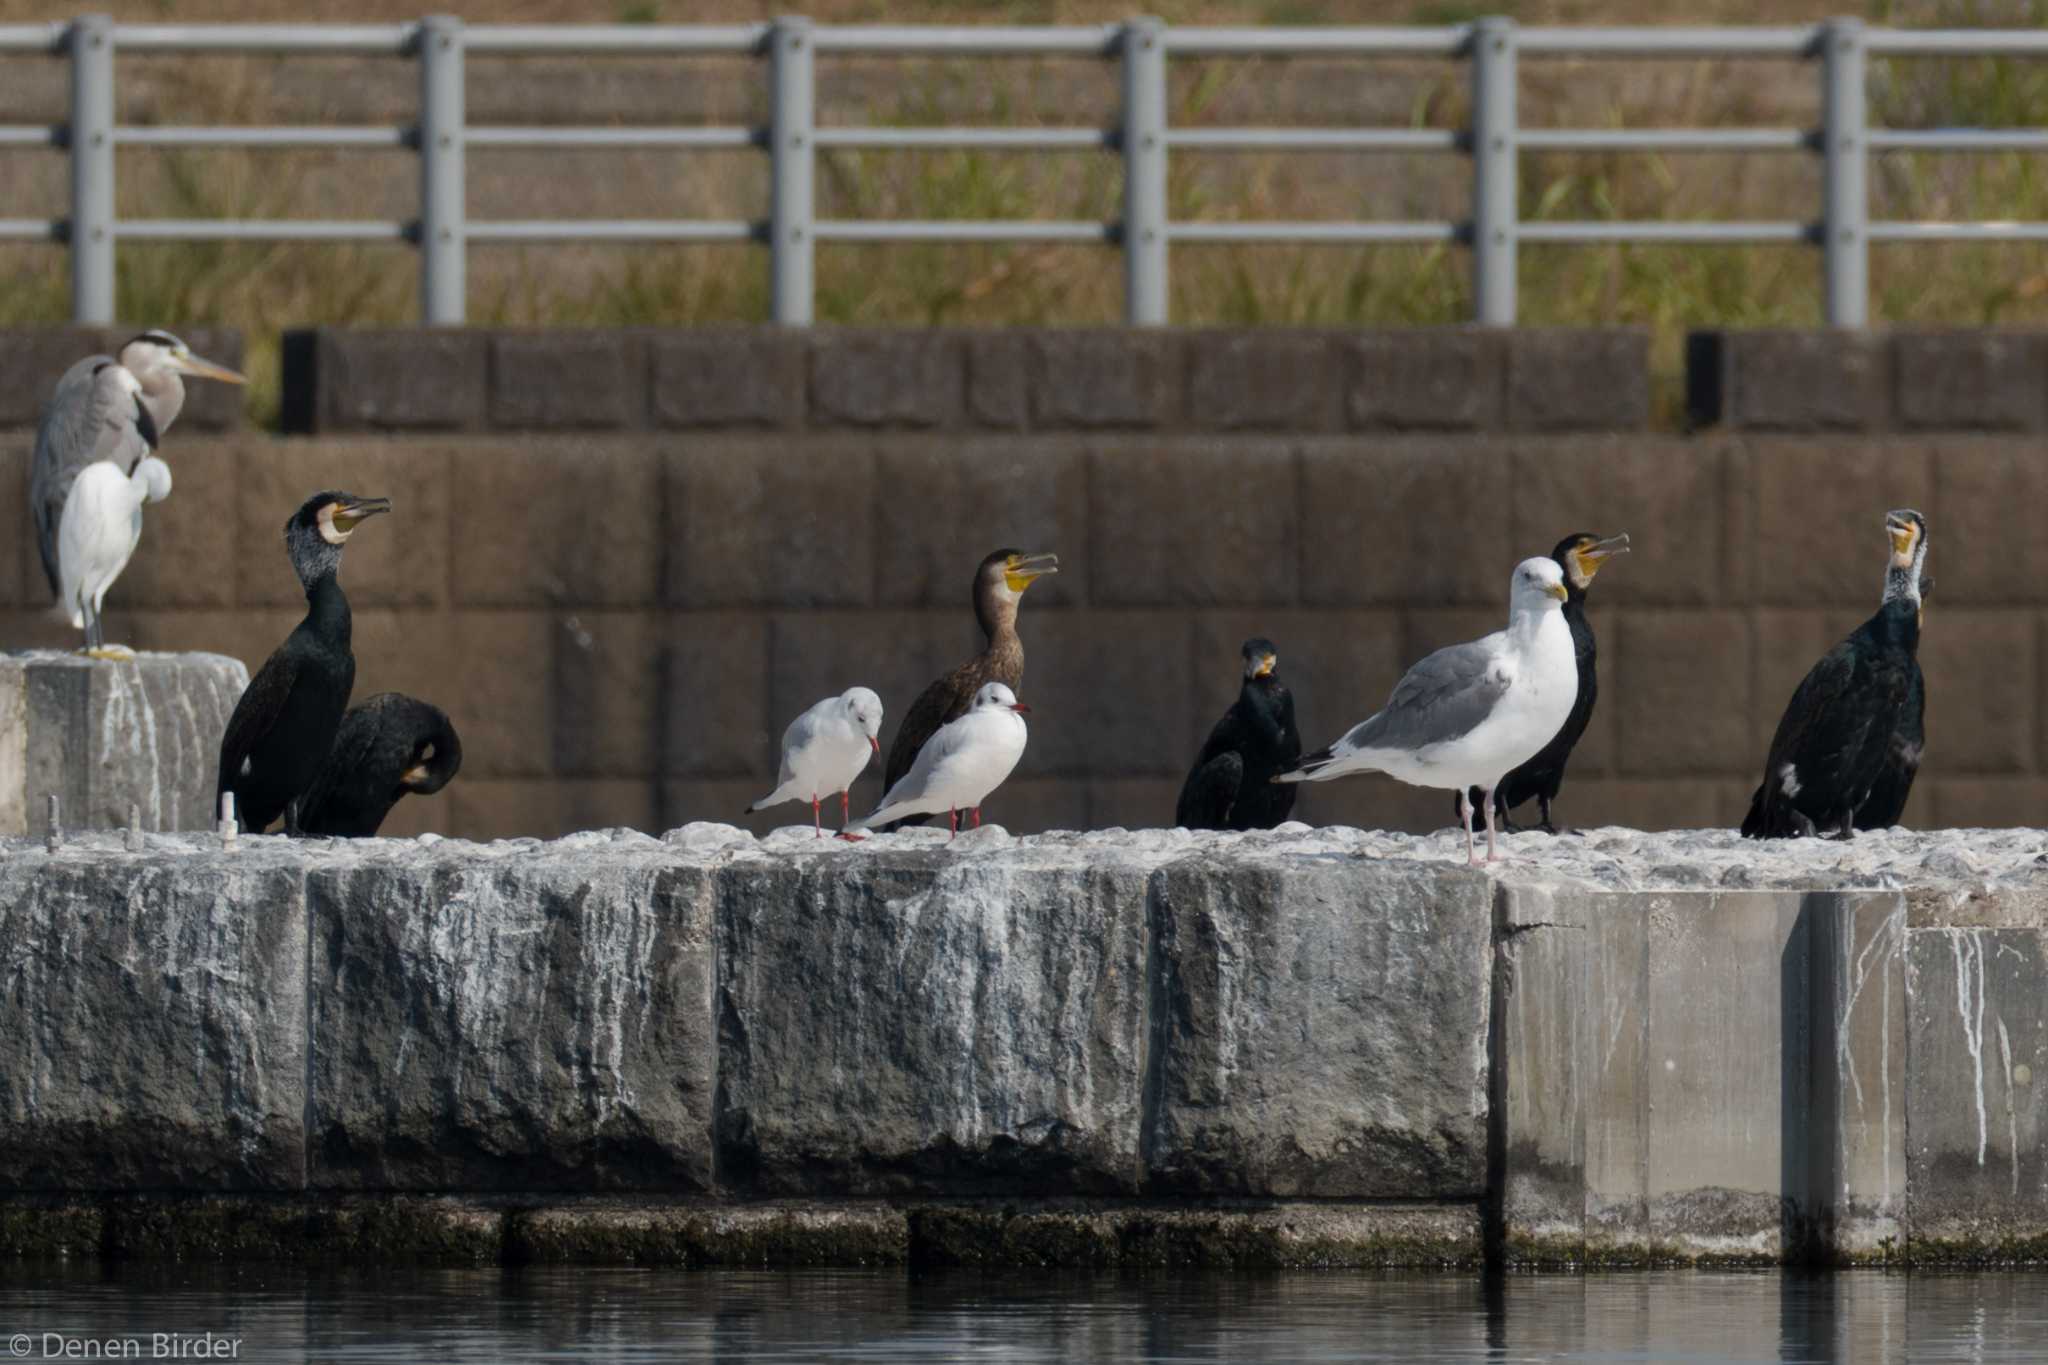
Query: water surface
x=557 y=1315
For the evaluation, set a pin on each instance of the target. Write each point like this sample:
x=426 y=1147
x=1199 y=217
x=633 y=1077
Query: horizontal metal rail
x=1142 y=136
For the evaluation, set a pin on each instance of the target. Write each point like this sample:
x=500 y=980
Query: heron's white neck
x=163 y=393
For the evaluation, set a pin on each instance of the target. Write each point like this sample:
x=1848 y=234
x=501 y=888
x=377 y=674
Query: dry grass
x=263 y=289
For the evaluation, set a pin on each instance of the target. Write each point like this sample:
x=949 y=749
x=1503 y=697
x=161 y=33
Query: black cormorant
x=1231 y=785
x=1580 y=555
x=999 y=584
x=388 y=746
x=283 y=727
x=1843 y=737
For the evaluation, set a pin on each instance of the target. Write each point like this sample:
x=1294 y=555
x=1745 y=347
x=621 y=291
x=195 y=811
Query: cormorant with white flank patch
x=1580 y=555
x=825 y=749
x=283 y=728
x=1469 y=714
x=1231 y=785
x=387 y=747
x=105 y=416
x=959 y=766
x=1852 y=728
x=999 y=584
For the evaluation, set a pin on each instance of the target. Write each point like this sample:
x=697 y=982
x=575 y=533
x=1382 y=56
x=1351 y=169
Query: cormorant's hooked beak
x=1265 y=665
x=201 y=368
x=1905 y=534
x=348 y=515
x=1600 y=551
x=1022 y=569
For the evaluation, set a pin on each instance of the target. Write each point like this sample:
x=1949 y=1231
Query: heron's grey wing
x=93 y=414
x=1445 y=696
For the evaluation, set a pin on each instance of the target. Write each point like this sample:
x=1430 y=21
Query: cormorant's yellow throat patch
x=1267 y=663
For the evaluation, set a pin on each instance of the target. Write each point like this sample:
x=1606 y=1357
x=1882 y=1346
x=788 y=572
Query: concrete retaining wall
x=1070 y=1048
x=623 y=587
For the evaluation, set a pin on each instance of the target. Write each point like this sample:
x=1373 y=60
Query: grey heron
x=106 y=411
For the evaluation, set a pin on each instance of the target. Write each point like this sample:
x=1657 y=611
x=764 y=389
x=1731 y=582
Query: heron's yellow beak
x=201 y=368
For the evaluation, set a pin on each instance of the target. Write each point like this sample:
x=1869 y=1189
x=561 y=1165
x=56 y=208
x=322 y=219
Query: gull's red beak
x=874 y=744
x=1021 y=709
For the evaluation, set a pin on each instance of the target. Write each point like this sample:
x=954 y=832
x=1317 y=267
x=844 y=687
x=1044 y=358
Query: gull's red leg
x=977 y=817
x=953 y=821
x=817 y=826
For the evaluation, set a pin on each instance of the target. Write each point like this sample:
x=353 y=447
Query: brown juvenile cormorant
x=1231 y=785
x=1844 y=736
x=1580 y=555
x=283 y=727
x=388 y=746
x=999 y=584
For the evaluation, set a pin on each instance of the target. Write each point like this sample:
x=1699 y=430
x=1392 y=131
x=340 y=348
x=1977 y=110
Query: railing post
x=1845 y=213
x=444 y=277
x=1144 y=147
x=791 y=242
x=91 y=231
x=1495 y=166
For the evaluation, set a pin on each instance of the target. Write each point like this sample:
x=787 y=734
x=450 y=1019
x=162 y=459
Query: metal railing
x=1142 y=137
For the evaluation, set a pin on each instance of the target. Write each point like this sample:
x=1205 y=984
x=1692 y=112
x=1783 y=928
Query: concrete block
x=1109 y=694
x=153 y=1032
x=1788 y=380
x=385 y=379
x=503 y=673
x=1211 y=525
x=1590 y=802
x=567 y=380
x=886 y=378
x=941 y=506
x=34 y=359
x=1976 y=1091
x=1668 y=498
x=1693 y=665
x=1537 y=1096
x=22 y=582
x=1595 y=379
x=1413 y=523
x=610 y=694
x=1971 y=379
x=103 y=736
x=762 y=525
x=914 y=1021
x=1263 y=380
x=715 y=708
x=1820 y=508
x=1104 y=379
x=1427 y=379
x=1978 y=482
x=400 y=560
x=1983 y=719
x=1977 y=802
x=550 y=808
x=575 y=522
x=1304 y=1053
x=998 y=380
x=527 y=1022
x=1857 y=1177
x=728 y=377
x=1129 y=803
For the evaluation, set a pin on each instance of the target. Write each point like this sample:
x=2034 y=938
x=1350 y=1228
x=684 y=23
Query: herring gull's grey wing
x=93 y=414
x=1447 y=695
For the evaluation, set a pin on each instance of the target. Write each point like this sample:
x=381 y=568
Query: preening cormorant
x=1580 y=555
x=1469 y=714
x=1851 y=734
x=1231 y=785
x=111 y=412
x=999 y=584
x=283 y=728
x=387 y=747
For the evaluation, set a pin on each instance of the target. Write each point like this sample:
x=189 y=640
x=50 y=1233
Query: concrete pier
x=1300 y=1048
x=103 y=736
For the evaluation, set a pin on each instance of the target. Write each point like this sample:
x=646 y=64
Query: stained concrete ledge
x=1152 y=1047
x=105 y=736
